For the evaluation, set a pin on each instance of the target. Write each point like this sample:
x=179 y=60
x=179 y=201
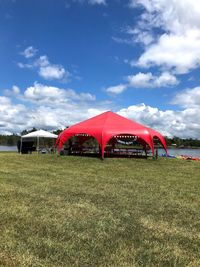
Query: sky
x=65 y=61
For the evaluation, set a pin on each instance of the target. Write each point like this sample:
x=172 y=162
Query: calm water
x=171 y=151
x=179 y=152
x=8 y=148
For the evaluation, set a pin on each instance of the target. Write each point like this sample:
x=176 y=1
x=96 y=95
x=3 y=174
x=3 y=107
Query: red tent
x=107 y=125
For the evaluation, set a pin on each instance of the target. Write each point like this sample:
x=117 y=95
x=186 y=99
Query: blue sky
x=68 y=60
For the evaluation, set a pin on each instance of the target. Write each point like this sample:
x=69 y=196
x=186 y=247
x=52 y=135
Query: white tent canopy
x=40 y=133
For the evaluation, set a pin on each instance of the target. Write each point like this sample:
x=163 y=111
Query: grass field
x=78 y=211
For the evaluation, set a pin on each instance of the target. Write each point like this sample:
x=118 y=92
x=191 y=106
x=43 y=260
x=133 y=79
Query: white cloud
x=173 y=16
x=85 y=97
x=13 y=91
x=98 y=2
x=52 y=96
x=42 y=61
x=29 y=52
x=68 y=3
x=44 y=94
x=51 y=108
x=12 y=116
x=189 y=98
x=120 y=40
x=184 y=123
x=139 y=35
x=4 y=102
x=176 y=46
x=46 y=69
x=52 y=72
x=165 y=79
x=118 y=89
x=135 y=35
x=15 y=118
x=178 y=52
x=25 y=65
x=144 y=37
x=144 y=80
x=140 y=79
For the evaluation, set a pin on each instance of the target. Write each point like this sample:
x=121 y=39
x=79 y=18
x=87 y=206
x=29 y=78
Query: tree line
x=180 y=142
x=11 y=140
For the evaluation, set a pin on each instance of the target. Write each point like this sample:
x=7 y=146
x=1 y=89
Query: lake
x=181 y=151
x=8 y=148
x=171 y=151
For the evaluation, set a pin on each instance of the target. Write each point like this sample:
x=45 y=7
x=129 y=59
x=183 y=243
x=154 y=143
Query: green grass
x=78 y=211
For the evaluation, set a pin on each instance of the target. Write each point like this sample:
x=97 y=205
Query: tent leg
x=38 y=144
x=21 y=146
x=102 y=153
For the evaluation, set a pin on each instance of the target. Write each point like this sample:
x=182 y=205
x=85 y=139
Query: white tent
x=38 y=134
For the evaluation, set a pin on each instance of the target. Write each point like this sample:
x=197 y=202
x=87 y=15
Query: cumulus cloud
x=51 y=72
x=118 y=89
x=15 y=118
x=140 y=79
x=176 y=46
x=43 y=117
x=52 y=96
x=4 y=102
x=185 y=123
x=29 y=52
x=178 y=52
x=141 y=36
x=173 y=16
x=189 y=98
x=13 y=91
x=39 y=93
x=165 y=79
x=12 y=116
x=144 y=80
x=51 y=108
x=46 y=69
x=150 y=80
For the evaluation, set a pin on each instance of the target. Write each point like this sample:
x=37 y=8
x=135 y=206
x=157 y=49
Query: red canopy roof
x=108 y=124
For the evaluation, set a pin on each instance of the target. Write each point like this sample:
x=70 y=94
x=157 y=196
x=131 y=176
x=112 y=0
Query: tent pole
x=21 y=146
x=38 y=144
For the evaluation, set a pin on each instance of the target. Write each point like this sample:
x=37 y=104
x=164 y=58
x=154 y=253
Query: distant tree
x=24 y=132
x=28 y=131
x=168 y=141
x=33 y=130
x=10 y=141
x=57 y=131
x=176 y=140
